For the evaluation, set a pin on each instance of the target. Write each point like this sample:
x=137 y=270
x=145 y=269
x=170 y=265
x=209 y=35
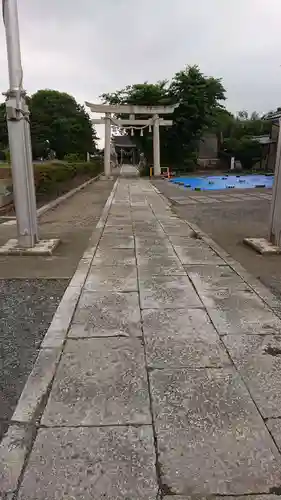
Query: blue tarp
x=213 y=183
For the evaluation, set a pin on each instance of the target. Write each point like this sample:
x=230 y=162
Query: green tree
x=238 y=133
x=250 y=126
x=60 y=124
x=144 y=94
x=3 y=127
x=198 y=98
x=245 y=149
x=243 y=115
x=225 y=123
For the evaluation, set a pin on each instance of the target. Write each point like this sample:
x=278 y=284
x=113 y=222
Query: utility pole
x=19 y=134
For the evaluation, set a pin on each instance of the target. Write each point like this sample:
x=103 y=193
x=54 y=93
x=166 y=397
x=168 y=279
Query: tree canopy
x=200 y=108
x=239 y=136
x=58 y=123
x=242 y=125
x=198 y=98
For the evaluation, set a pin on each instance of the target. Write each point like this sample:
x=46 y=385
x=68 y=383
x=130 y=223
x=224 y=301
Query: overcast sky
x=87 y=47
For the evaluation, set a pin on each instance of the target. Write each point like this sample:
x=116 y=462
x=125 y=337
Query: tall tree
x=59 y=123
x=239 y=137
x=198 y=98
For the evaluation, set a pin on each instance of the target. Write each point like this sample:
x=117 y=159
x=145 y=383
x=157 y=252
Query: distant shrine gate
x=132 y=123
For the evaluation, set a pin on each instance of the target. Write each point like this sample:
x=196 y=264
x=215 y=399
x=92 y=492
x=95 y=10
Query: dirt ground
x=73 y=222
x=228 y=222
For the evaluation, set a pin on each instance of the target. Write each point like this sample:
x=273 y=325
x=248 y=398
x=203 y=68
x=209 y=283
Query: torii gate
x=132 y=123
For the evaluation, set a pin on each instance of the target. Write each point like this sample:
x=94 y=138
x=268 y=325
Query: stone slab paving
x=212 y=197
x=235 y=311
x=211 y=438
x=165 y=292
x=113 y=279
x=258 y=360
x=109 y=241
x=100 y=382
x=274 y=426
x=214 y=497
x=114 y=257
x=91 y=463
x=107 y=314
x=207 y=278
x=166 y=374
x=176 y=338
x=195 y=252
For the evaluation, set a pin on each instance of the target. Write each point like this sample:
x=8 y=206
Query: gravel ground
x=31 y=288
x=228 y=224
x=27 y=307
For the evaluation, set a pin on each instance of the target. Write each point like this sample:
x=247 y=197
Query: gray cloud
x=88 y=47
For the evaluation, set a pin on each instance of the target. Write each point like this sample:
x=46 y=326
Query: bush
x=50 y=177
x=7 y=155
x=73 y=158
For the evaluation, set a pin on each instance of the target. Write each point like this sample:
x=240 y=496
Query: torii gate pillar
x=156 y=146
x=107 y=147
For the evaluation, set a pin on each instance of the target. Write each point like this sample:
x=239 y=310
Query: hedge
x=51 y=177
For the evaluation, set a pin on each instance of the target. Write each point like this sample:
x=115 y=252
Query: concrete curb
x=53 y=204
x=14 y=449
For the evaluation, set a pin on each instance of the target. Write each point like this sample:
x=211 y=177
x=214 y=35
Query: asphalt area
x=27 y=307
x=228 y=217
x=32 y=287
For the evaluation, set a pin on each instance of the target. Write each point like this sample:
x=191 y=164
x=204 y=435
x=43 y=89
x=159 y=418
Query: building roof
x=123 y=141
x=272 y=116
x=262 y=139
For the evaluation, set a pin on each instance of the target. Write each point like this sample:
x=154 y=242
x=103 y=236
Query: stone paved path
x=228 y=222
x=169 y=382
x=218 y=197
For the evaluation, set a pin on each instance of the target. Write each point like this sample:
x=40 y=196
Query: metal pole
x=107 y=139
x=156 y=146
x=19 y=134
